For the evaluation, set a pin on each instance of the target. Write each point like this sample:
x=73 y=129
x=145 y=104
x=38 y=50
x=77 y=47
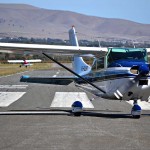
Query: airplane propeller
x=122 y=90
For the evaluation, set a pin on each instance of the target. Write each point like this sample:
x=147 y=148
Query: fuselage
x=125 y=77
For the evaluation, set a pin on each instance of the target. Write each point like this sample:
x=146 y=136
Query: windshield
x=138 y=54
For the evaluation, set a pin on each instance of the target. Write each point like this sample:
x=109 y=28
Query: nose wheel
x=136 y=110
x=77 y=108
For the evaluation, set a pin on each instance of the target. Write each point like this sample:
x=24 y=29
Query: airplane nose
x=144 y=69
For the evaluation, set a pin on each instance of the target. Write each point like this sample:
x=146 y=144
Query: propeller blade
x=143 y=71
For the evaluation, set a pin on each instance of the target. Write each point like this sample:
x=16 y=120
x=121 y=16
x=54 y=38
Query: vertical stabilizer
x=79 y=66
x=72 y=37
x=25 y=62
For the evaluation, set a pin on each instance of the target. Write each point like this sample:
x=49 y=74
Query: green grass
x=8 y=69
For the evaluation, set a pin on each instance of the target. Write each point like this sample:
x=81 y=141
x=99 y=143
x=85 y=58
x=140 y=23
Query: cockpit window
x=98 y=64
x=126 y=54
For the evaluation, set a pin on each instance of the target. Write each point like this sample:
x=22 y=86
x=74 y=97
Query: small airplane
x=25 y=62
x=116 y=73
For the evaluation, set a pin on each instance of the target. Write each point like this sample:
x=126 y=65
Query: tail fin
x=25 y=62
x=79 y=66
x=72 y=37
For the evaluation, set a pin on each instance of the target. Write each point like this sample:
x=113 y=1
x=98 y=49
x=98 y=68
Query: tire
x=77 y=114
x=136 y=116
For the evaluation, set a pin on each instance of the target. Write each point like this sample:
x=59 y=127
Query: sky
x=133 y=10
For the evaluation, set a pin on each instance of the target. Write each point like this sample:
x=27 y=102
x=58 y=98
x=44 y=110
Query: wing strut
x=74 y=73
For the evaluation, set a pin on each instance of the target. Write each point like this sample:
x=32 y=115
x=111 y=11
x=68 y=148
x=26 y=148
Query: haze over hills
x=20 y=20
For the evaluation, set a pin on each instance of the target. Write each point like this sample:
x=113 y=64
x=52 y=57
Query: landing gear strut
x=136 y=110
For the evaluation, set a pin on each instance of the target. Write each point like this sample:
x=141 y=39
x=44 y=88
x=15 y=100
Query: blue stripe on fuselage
x=109 y=74
x=127 y=63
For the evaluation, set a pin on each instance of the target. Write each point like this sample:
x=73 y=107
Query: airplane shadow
x=145 y=114
x=105 y=115
x=92 y=113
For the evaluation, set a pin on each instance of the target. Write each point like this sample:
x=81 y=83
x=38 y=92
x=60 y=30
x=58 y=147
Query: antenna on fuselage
x=99 y=43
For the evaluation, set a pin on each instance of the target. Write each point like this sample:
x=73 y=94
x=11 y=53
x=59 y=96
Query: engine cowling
x=143 y=69
x=139 y=71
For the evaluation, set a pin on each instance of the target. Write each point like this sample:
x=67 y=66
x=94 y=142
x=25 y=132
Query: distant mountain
x=20 y=20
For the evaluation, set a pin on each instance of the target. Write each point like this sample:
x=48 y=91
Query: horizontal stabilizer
x=49 y=80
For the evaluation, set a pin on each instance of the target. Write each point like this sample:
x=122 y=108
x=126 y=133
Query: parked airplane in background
x=116 y=73
x=25 y=62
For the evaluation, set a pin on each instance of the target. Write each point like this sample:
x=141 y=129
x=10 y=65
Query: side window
x=98 y=64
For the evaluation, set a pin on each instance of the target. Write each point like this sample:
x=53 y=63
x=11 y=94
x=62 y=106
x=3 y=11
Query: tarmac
x=27 y=120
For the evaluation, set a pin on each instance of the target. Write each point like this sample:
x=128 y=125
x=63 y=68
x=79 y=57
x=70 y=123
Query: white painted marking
x=54 y=76
x=56 y=73
x=144 y=105
x=6 y=98
x=13 y=86
x=66 y=99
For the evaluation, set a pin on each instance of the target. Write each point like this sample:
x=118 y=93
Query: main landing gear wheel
x=136 y=110
x=77 y=108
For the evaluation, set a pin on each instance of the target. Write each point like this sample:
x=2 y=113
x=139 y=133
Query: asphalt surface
x=37 y=126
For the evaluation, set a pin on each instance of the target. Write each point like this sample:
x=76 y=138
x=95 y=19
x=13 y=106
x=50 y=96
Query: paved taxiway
x=107 y=126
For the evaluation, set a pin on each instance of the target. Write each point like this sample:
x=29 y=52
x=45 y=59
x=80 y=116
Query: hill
x=20 y=20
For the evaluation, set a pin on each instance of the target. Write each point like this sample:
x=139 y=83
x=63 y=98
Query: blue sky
x=134 y=10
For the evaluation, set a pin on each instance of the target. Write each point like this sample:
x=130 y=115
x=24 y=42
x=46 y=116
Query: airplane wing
x=50 y=49
x=46 y=49
x=22 y=61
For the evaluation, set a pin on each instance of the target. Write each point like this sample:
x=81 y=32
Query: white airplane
x=25 y=62
x=116 y=73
